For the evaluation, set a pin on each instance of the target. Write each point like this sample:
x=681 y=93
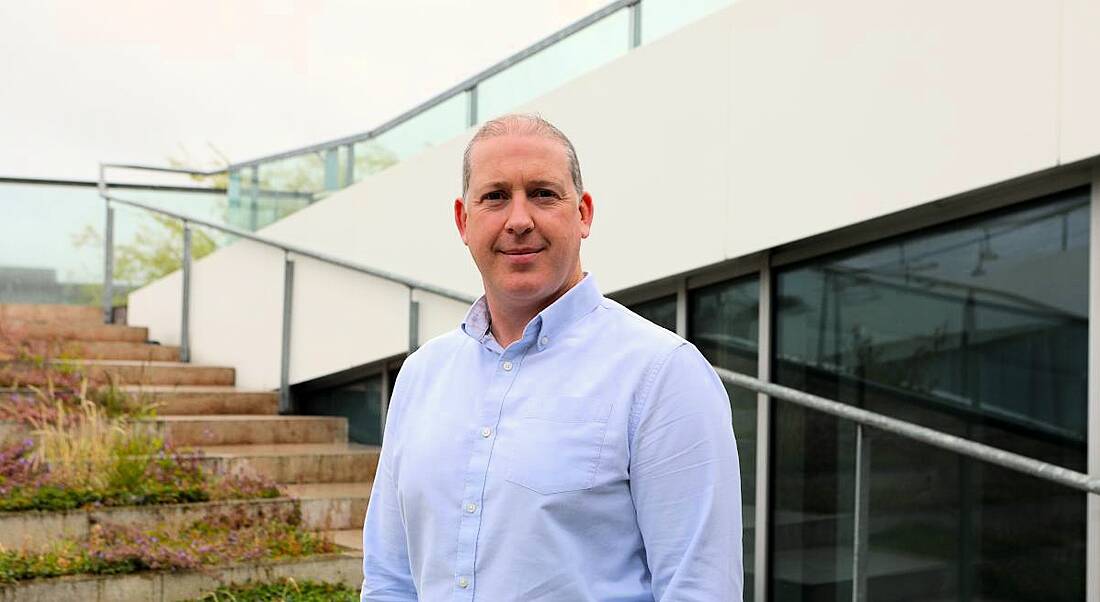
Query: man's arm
x=685 y=481
x=386 y=573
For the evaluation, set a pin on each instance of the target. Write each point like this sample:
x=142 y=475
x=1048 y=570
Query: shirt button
x=544 y=340
x=507 y=366
x=463 y=582
x=486 y=431
x=471 y=508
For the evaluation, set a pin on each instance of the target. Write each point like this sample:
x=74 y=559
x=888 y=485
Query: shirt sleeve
x=386 y=573
x=685 y=482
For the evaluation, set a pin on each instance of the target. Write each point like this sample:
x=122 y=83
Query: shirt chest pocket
x=558 y=444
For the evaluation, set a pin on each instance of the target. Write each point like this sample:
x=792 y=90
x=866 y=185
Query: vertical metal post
x=385 y=397
x=861 y=514
x=682 y=309
x=1092 y=512
x=185 y=304
x=332 y=168
x=254 y=200
x=471 y=107
x=635 y=24
x=288 y=301
x=349 y=167
x=233 y=198
x=414 y=322
x=761 y=514
x=109 y=264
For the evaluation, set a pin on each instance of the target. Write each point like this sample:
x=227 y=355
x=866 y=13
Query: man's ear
x=460 y=219
x=586 y=208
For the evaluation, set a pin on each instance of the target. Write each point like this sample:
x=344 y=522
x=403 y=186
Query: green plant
x=287 y=590
x=213 y=541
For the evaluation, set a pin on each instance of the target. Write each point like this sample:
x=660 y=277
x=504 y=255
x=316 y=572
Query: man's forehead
x=492 y=156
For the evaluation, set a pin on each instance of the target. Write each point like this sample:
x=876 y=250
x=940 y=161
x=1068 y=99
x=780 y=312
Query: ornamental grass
x=213 y=541
x=81 y=457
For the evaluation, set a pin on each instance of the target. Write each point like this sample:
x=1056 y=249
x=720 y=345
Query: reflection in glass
x=723 y=322
x=360 y=402
x=661 y=312
x=581 y=52
x=660 y=17
x=978 y=329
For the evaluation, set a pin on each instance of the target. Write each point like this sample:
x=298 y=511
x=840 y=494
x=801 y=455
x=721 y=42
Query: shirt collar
x=549 y=323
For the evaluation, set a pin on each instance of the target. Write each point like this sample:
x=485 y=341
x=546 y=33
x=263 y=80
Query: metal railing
x=288 y=274
x=863 y=419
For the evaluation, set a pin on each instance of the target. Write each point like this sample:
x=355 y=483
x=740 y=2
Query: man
x=556 y=446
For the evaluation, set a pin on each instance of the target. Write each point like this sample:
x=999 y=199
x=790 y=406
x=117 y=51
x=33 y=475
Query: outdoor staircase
x=200 y=408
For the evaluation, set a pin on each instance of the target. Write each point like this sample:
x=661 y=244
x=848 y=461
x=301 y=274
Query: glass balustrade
x=596 y=45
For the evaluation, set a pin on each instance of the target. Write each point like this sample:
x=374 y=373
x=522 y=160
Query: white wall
x=768 y=122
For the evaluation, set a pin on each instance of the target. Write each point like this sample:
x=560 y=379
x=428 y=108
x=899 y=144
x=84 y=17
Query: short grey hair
x=522 y=123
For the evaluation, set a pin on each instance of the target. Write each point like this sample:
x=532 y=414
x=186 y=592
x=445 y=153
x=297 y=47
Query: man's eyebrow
x=545 y=183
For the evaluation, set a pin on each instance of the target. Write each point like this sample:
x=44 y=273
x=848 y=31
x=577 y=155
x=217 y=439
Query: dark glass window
x=979 y=329
x=723 y=322
x=360 y=402
x=661 y=312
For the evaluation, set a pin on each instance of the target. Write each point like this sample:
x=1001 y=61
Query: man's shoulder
x=435 y=348
x=633 y=330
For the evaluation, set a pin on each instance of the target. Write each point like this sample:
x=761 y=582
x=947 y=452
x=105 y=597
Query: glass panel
x=360 y=402
x=581 y=52
x=49 y=252
x=301 y=173
x=659 y=17
x=661 y=312
x=723 y=322
x=434 y=126
x=978 y=329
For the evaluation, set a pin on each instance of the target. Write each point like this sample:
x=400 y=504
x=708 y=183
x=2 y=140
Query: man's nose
x=519 y=215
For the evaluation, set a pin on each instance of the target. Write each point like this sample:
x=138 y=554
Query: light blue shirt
x=593 y=459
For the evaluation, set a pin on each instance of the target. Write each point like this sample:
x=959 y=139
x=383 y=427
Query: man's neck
x=508 y=319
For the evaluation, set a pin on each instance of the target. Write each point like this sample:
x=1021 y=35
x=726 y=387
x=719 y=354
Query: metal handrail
x=462 y=86
x=286 y=247
x=864 y=419
x=288 y=274
x=909 y=430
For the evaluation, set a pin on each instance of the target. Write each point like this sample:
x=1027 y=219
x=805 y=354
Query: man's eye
x=495 y=195
x=543 y=192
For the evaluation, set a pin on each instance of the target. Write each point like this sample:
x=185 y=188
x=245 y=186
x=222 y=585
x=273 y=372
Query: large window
x=723 y=322
x=979 y=329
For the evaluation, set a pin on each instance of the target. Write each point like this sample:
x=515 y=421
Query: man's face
x=522 y=219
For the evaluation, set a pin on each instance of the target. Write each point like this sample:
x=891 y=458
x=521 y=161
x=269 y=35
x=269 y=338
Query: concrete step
x=199 y=400
x=187 y=431
x=114 y=350
x=331 y=506
x=131 y=372
x=348 y=538
x=77 y=314
x=296 y=462
x=73 y=331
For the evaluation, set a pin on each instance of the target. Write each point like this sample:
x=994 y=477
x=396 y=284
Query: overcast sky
x=145 y=80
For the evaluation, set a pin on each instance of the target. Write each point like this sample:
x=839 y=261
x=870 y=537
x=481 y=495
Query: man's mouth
x=521 y=254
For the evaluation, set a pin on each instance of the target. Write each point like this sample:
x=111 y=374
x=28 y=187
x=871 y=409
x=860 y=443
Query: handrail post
x=288 y=300
x=108 y=264
x=471 y=106
x=185 y=302
x=861 y=515
x=349 y=169
x=635 y=24
x=414 y=322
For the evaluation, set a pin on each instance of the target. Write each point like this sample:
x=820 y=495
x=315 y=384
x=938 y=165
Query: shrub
x=215 y=540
